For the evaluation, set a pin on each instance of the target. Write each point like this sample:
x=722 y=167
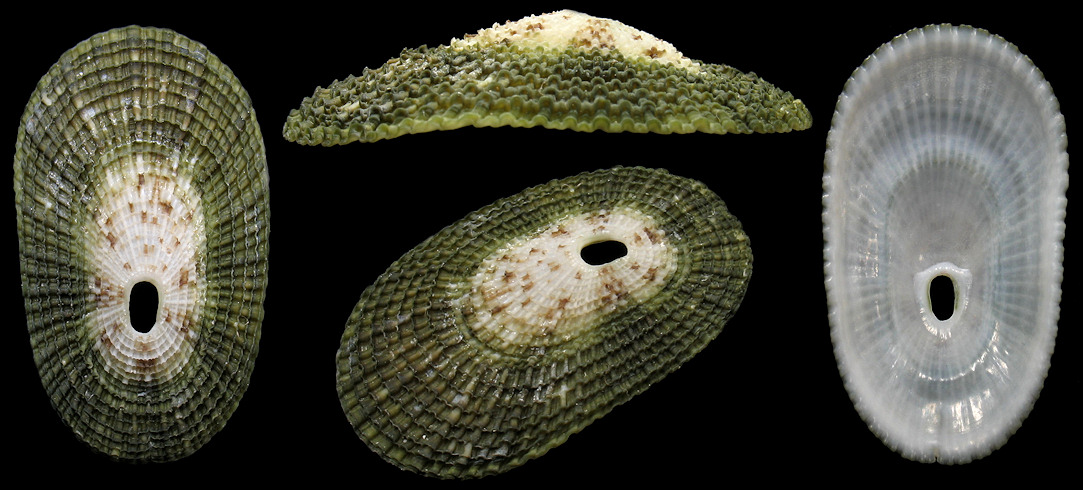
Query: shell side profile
x=946 y=159
x=494 y=340
x=562 y=70
x=139 y=160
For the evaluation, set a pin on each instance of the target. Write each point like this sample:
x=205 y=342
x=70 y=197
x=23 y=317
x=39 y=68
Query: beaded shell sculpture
x=946 y=161
x=494 y=340
x=562 y=70
x=139 y=161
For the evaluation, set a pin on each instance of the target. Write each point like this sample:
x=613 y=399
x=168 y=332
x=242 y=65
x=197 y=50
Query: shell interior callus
x=562 y=70
x=494 y=340
x=946 y=159
x=139 y=160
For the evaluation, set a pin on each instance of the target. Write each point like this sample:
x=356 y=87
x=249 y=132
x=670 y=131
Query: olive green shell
x=129 y=111
x=430 y=89
x=426 y=394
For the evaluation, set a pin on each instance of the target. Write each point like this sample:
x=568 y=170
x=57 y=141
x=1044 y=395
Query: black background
x=763 y=401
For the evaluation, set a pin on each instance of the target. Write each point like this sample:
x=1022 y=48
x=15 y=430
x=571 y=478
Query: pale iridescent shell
x=493 y=341
x=562 y=70
x=947 y=157
x=139 y=159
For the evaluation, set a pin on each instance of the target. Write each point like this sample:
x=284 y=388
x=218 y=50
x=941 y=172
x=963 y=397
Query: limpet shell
x=139 y=159
x=561 y=70
x=493 y=341
x=947 y=157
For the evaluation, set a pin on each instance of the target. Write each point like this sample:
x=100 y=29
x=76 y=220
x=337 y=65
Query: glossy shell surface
x=562 y=70
x=947 y=157
x=139 y=160
x=495 y=340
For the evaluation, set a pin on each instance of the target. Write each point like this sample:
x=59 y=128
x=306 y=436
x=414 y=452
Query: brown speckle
x=563 y=302
x=651 y=235
x=146 y=364
x=654 y=52
x=183 y=278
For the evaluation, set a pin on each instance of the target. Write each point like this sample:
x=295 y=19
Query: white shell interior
x=946 y=157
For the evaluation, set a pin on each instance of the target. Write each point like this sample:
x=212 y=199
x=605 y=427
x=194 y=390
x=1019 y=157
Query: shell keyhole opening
x=143 y=306
x=603 y=252
x=942 y=297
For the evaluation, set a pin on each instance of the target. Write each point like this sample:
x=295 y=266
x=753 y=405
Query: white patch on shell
x=148 y=227
x=568 y=28
x=539 y=292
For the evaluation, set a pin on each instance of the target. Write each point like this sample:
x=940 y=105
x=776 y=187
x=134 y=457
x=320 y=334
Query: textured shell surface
x=139 y=160
x=561 y=70
x=946 y=158
x=495 y=339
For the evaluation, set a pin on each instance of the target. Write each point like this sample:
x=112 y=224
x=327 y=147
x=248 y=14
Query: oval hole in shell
x=603 y=252
x=942 y=297
x=143 y=303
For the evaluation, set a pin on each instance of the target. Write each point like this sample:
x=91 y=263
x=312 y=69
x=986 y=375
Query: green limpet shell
x=139 y=160
x=494 y=340
x=562 y=70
